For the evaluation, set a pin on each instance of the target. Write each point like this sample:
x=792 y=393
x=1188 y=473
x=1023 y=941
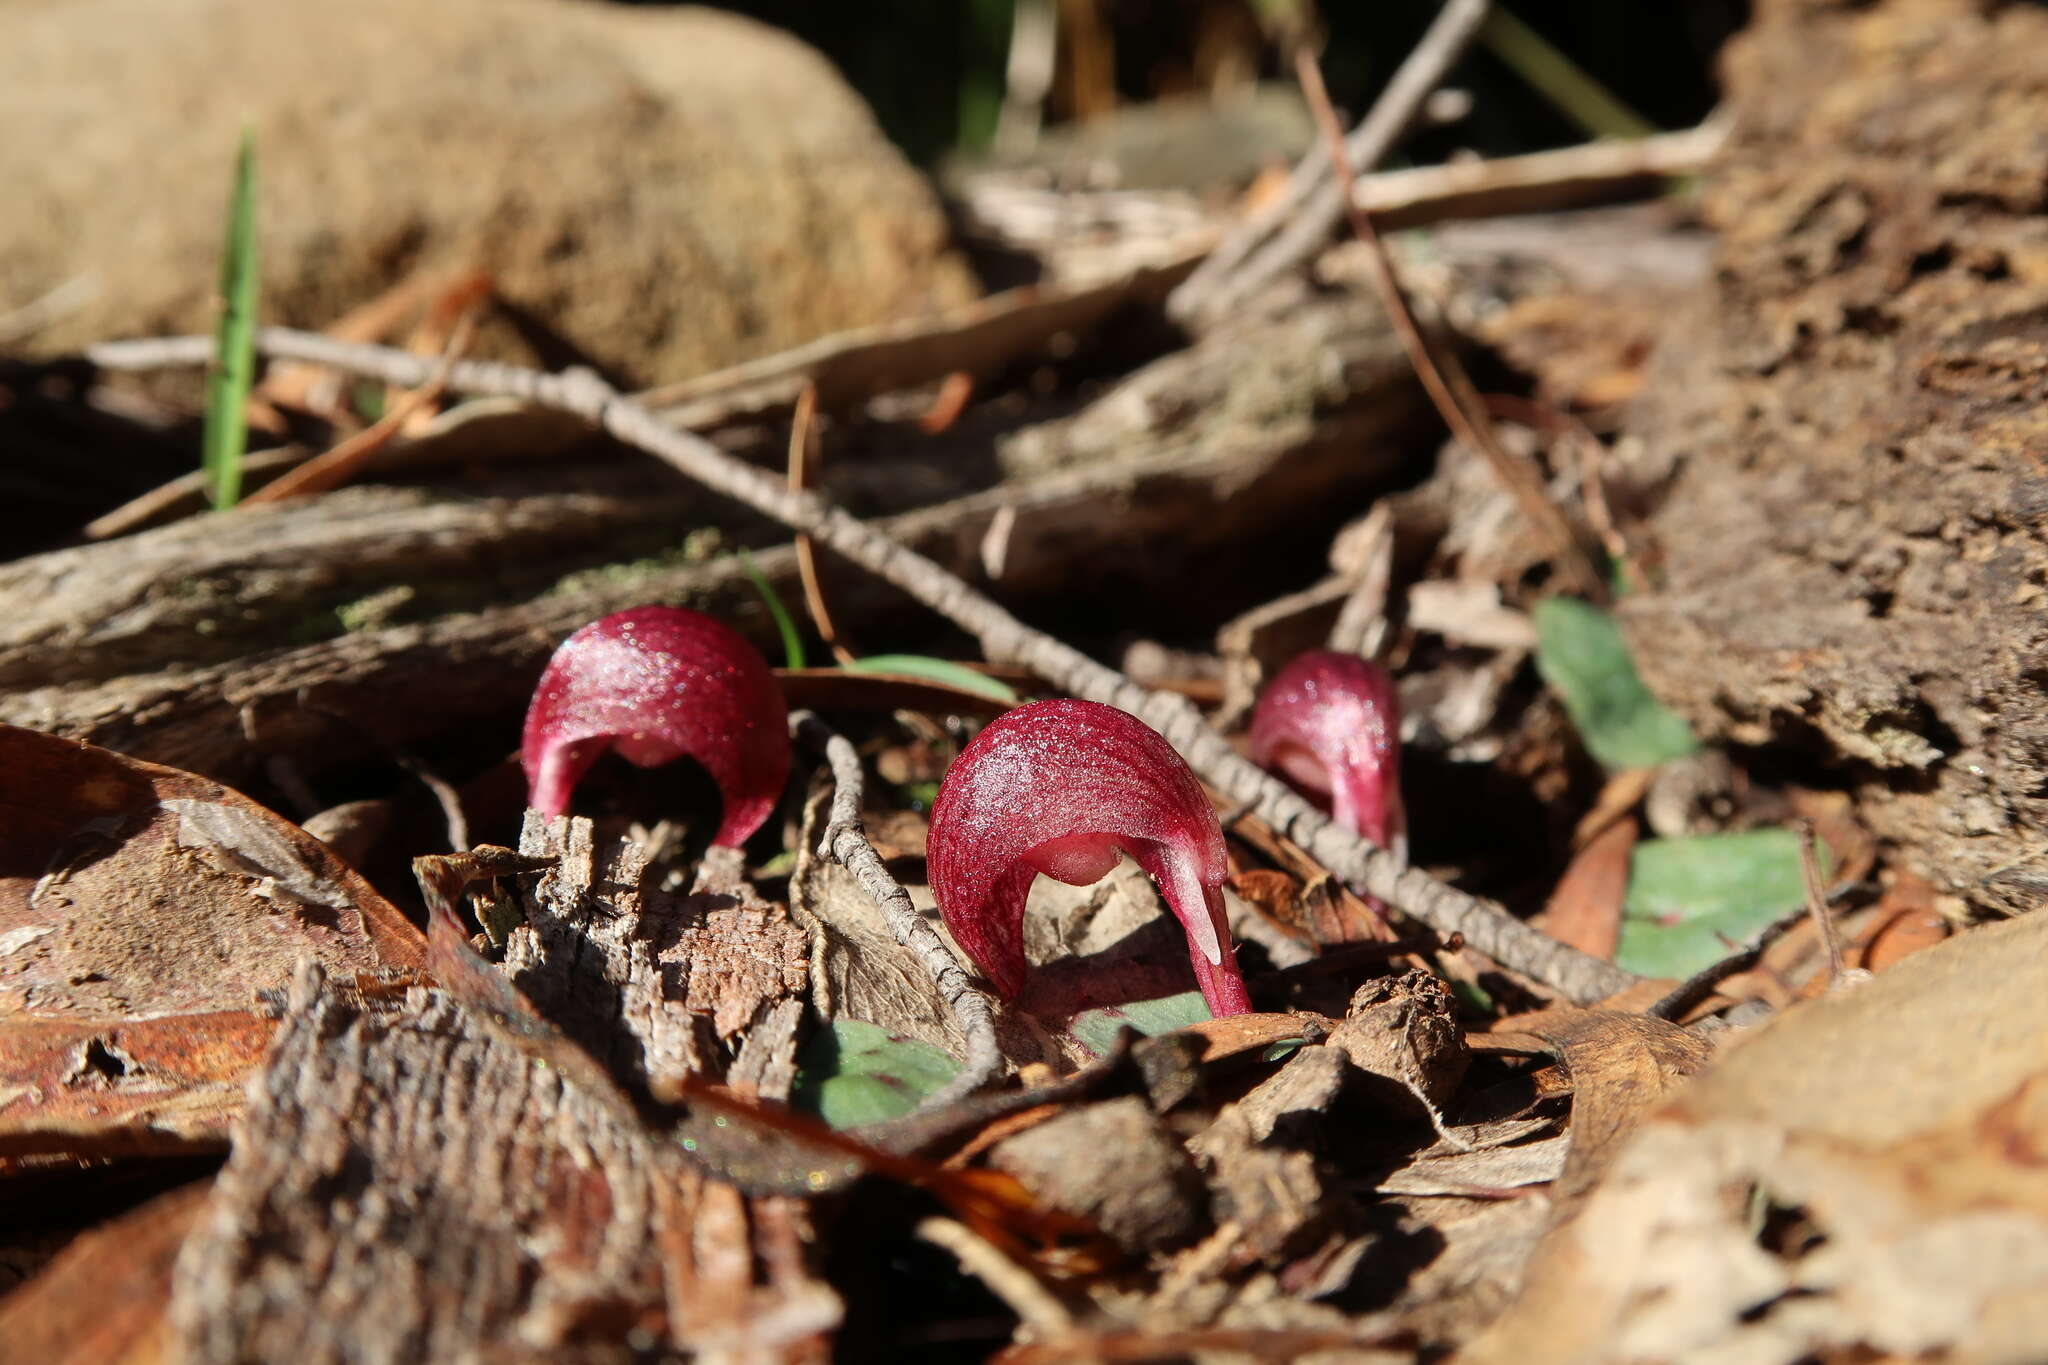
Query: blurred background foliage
x=935 y=71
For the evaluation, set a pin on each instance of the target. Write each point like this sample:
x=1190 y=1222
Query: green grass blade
x=1553 y=75
x=792 y=643
x=234 y=351
x=943 y=671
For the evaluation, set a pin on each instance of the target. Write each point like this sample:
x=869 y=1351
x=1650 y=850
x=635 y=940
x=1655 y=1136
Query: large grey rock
x=672 y=189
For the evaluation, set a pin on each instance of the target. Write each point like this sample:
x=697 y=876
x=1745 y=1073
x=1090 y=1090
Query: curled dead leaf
x=142 y=912
x=1861 y=1176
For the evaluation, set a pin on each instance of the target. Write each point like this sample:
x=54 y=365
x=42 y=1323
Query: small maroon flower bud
x=656 y=684
x=1332 y=723
x=1062 y=788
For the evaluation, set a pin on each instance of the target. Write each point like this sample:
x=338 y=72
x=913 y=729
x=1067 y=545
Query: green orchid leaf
x=856 y=1072
x=1096 y=1029
x=1580 y=653
x=1693 y=900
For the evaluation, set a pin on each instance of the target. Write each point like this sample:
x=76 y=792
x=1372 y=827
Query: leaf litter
x=1385 y=1167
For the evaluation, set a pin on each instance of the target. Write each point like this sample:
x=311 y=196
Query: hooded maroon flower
x=1063 y=787
x=657 y=684
x=1332 y=723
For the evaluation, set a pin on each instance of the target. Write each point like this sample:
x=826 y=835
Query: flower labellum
x=656 y=684
x=1332 y=723
x=1064 y=787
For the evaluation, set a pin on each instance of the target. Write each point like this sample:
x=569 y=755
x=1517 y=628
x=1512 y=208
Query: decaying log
x=1206 y=449
x=1850 y=420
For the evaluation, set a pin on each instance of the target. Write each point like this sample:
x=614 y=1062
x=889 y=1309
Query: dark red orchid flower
x=1332 y=723
x=1063 y=788
x=655 y=684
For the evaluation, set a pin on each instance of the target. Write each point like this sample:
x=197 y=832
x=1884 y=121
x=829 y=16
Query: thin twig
x=19 y=324
x=1536 y=182
x=1487 y=928
x=1817 y=902
x=803 y=436
x=337 y=466
x=1701 y=984
x=846 y=843
x=1444 y=378
x=1035 y=1305
x=1589 y=455
x=182 y=496
x=1298 y=224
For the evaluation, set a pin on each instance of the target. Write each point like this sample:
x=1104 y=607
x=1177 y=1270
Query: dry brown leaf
x=127 y=888
x=1585 y=909
x=1487 y=1173
x=1910 y=919
x=1238 y=1033
x=111 y=1087
x=102 y=1301
x=1622 y=793
x=142 y=911
x=1621 y=1066
x=1860 y=1177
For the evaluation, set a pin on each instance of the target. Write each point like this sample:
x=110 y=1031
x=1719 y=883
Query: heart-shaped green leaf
x=855 y=1072
x=1580 y=653
x=1096 y=1029
x=1693 y=900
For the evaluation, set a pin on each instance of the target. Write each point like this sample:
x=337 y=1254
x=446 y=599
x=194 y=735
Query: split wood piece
x=1487 y=928
x=1541 y=182
x=653 y=984
x=1292 y=229
x=405 y=1186
x=259 y=579
x=847 y=843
